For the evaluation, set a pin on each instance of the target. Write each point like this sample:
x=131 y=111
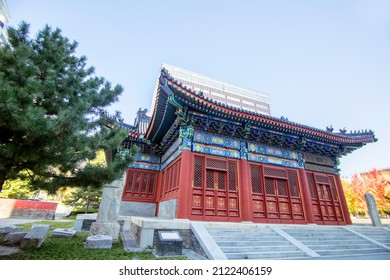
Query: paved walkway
x=10 y=221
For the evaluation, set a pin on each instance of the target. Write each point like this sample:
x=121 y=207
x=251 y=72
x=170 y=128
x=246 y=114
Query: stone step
x=338 y=239
x=313 y=233
x=263 y=229
x=265 y=255
x=317 y=247
x=253 y=239
x=256 y=233
x=244 y=249
x=356 y=251
x=251 y=243
x=332 y=242
x=252 y=233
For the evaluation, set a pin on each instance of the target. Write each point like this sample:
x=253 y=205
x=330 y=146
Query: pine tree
x=53 y=117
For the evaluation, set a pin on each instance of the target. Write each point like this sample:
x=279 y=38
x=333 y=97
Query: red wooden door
x=276 y=194
x=278 y=199
x=215 y=193
x=324 y=197
x=215 y=190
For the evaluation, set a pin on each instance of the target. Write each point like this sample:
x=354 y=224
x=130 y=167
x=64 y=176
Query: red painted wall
x=27 y=209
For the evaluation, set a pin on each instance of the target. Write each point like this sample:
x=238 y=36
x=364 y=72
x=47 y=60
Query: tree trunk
x=87 y=207
x=2 y=181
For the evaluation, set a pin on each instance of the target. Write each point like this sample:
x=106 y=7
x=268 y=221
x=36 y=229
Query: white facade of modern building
x=224 y=92
x=4 y=19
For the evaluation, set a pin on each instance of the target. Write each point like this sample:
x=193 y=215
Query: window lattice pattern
x=144 y=182
x=322 y=179
x=221 y=180
x=209 y=179
x=216 y=164
x=333 y=188
x=325 y=192
x=282 y=187
x=269 y=186
x=140 y=184
x=311 y=185
x=256 y=179
x=137 y=182
x=232 y=176
x=273 y=172
x=293 y=182
x=198 y=172
x=151 y=183
x=130 y=180
x=319 y=192
x=171 y=182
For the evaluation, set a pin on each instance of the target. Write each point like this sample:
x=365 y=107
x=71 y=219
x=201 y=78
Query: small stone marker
x=98 y=242
x=14 y=238
x=63 y=232
x=169 y=243
x=9 y=229
x=39 y=225
x=372 y=210
x=35 y=237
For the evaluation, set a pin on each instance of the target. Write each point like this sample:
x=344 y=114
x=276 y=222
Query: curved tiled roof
x=198 y=101
x=174 y=98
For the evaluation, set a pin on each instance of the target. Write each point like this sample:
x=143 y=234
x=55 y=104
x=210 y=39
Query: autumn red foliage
x=375 y=182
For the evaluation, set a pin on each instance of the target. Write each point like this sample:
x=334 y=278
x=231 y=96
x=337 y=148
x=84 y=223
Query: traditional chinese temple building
x=202 y=159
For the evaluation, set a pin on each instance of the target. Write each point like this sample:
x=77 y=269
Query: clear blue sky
x=322 y=62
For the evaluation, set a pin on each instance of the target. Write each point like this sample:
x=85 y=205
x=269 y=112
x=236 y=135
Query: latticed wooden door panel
x=140 y=185
x=214 y=192
x=324 y=197
x=275 y=193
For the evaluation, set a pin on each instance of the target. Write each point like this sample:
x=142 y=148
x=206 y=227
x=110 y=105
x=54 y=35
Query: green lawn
x=73 y=248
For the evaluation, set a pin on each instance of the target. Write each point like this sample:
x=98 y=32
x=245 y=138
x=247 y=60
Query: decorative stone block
x=98 y=242
x=35 y=237
x=14 y=238
x=169 y=243
x=63 y=232
x=10 y=229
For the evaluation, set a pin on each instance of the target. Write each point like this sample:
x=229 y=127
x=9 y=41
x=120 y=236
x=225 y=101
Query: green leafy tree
x=17 y=189
x=53 y=115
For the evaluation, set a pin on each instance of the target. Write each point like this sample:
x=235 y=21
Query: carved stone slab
x=63 y=232
x=35 y=237
x=98 y=242
x=372 y=210
x=14 y=238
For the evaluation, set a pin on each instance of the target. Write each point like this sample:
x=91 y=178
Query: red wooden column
x=306 y=196
x=245 y=191
x=159 y=190
x=185 y=185
x=343 y=201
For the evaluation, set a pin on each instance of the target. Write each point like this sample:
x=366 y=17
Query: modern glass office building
x=221 y=91
x=4 y=19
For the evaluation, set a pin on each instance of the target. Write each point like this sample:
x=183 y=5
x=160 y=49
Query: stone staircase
x=299 y=242
x=334 y=241
x=254 y=243
x=381 y=235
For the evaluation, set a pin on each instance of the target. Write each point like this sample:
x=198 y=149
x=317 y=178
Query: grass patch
x=54 y=248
